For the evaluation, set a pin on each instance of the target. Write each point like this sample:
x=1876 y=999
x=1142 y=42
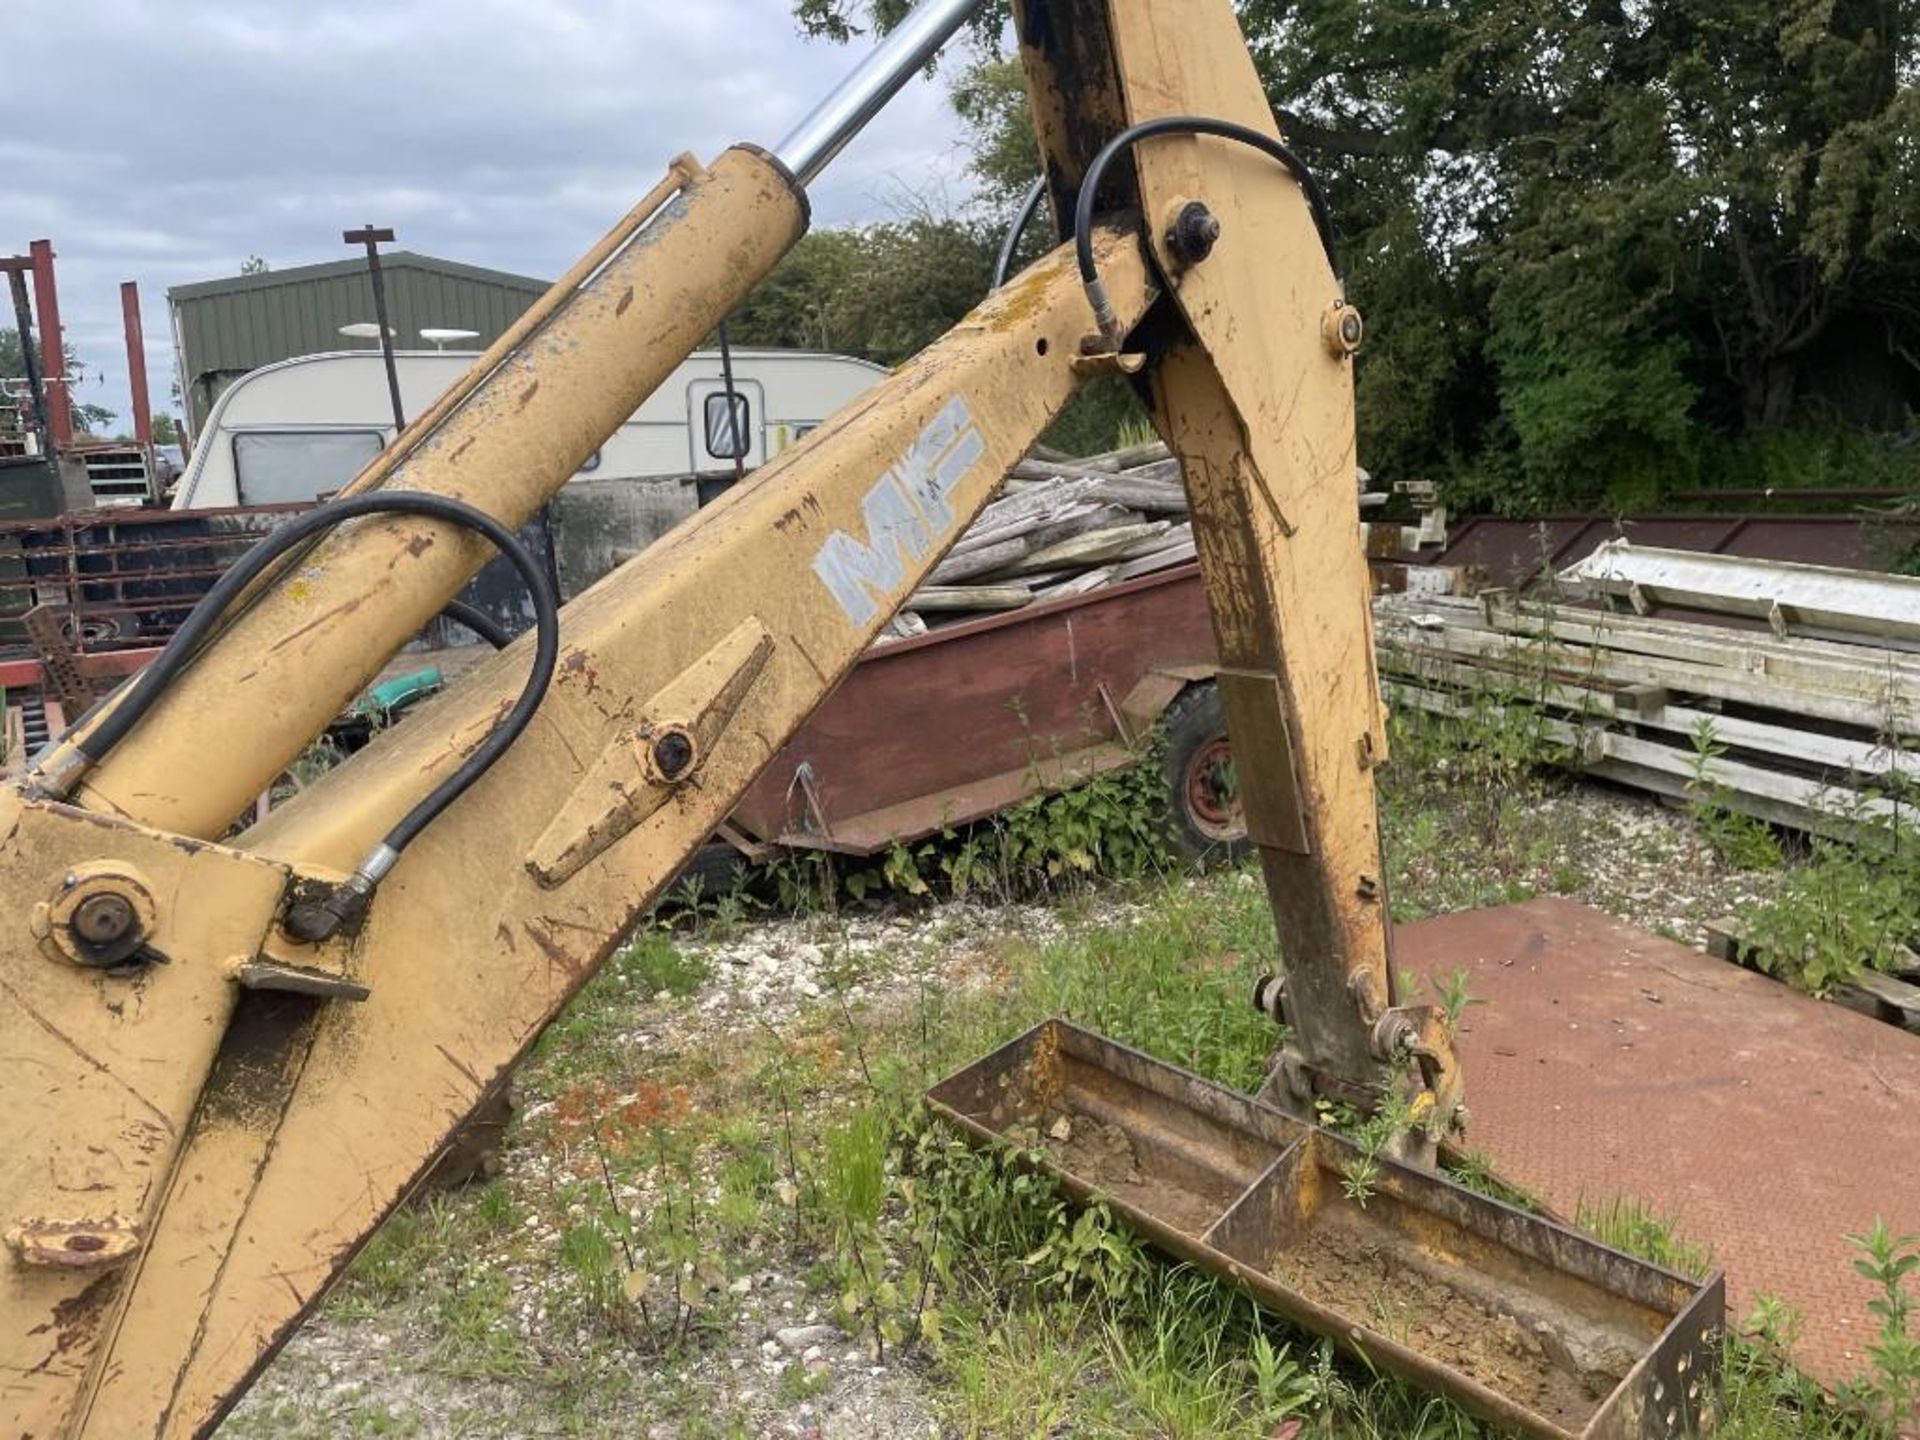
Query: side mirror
x=728 y=426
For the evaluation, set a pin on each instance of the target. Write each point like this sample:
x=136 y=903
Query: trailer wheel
x=1204 y=819
x=717 y=868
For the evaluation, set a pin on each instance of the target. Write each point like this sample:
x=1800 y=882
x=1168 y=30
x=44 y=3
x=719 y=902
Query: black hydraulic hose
x=1029 y=207
x=1184 y=125
x=478 y=621
x=153 y=681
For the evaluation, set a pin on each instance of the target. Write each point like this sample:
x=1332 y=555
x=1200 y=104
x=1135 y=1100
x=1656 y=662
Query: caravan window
x=285 y=466
x=729 y=425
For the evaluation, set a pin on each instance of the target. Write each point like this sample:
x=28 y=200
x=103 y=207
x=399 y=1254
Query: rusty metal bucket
x=1522 y=1321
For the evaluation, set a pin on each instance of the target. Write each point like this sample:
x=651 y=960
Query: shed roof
x=226 y=328
x=332 y=269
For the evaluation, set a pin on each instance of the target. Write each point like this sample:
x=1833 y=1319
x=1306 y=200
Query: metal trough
x=1524 y=1322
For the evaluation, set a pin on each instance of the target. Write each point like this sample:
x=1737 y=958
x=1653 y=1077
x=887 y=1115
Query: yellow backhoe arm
x=226 y=1098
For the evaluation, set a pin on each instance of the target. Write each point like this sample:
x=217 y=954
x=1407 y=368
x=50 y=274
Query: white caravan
x=301 y=429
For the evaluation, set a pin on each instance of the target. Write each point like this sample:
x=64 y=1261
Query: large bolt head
x=100 y=915
x=1343 y=330
x=672 y=753
x=103 y=919
x=1194 y=233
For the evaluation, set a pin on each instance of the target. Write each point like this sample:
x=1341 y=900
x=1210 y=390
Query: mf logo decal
x=906 y=513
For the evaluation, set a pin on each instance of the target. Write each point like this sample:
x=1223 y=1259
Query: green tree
x=87 y=419
x=881 y=292
x=1606 y=248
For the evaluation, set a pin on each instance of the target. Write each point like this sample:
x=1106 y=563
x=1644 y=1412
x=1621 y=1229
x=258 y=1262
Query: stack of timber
x=1059 y=528
x=1064 y=527
x=1818 y=734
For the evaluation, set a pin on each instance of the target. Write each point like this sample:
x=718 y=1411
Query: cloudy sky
x=164 y=141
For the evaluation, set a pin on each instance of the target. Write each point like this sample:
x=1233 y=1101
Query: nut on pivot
x=1395 y=1036
x=671 y=753
x=1193 y=233
x=1343 y=329
x=103 y=920
x=99 y=916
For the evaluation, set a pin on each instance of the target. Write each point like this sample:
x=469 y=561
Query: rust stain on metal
x=526 y=395
x=580 y=663
x=418 y=545
x=1545 y=1331
x=626 y=299
x=86 y=1244
x=76 y=1319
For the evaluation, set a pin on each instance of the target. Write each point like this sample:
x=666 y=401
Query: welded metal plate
x=1521 y=1320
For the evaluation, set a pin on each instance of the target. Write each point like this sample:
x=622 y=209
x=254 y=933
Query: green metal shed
x=224 y=328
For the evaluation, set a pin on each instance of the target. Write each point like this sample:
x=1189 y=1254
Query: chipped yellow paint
x=102 y=1070
x=289 y=1166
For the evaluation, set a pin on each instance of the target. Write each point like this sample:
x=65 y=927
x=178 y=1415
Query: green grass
x=1026 y=1313
x=1629 y=1226
x=807 y=1150
x=660 y=966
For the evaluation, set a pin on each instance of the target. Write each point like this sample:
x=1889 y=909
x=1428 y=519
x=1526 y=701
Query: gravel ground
x=778 y=1366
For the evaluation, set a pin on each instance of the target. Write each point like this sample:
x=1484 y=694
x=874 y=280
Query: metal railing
x=120 y=579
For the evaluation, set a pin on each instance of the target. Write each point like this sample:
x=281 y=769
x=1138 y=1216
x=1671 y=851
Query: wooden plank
x=1808 y=749
x=1079 y=585
x=971 y=597
x=1894 y=997
x=1181 y=534
x=1037 y=499
x=1090 y=548
x=1874 y=608
x=982 y=561
x=1818 y=661
x=1020 y=526
x=1166 y=559
x=1143 y=495
x=1805 y=804
x=1102 y=519
x=1152 y=453
x=1872 y=713
x=1032 y=469
x=1164 y=472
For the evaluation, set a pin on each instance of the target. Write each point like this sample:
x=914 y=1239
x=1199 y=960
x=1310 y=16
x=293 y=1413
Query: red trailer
x=955 y=725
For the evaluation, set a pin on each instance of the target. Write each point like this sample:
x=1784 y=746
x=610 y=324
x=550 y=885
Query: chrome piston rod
x=864 y=93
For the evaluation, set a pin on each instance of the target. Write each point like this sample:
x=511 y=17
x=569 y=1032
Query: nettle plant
x=1111 y=825
x=1890 y=1392
x=1849 y=908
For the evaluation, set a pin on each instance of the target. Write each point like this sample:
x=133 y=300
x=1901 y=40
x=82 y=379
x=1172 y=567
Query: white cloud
x=173 y=138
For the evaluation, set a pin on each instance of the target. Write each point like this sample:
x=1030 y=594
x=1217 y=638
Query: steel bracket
x=646 y=764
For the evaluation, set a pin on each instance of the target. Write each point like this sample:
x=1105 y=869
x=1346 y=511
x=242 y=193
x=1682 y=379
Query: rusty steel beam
x=53 y=351
x=137 y=364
